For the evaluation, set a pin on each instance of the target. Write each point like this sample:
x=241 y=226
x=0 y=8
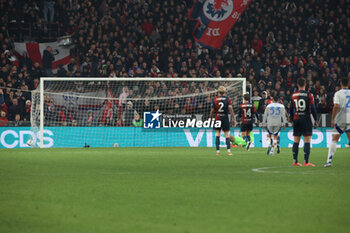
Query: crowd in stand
x=272 y=45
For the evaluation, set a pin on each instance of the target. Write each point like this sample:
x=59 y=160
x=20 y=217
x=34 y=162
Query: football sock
x=306 y=152
x=295 y=152
x=248 y=137
x=217 y=142
x=278 y=140
x=331 y=151
x=228 y=144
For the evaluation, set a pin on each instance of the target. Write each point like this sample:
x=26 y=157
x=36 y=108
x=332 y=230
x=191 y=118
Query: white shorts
x=340 y=129
x=275 y=130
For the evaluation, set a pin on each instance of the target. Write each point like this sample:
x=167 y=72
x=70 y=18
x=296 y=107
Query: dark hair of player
x=246 y=96
x=344 y=82
x=275 y=98
x=301 y=82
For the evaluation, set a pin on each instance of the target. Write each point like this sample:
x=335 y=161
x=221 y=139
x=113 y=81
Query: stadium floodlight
x=96 y=110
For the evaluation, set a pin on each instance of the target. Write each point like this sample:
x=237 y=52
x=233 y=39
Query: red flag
x=35 y=52
x=215 y=18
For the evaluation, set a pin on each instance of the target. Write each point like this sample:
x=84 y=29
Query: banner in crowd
x=35 y=52
x=17 y=137
x=215 y=18
x=80 y=99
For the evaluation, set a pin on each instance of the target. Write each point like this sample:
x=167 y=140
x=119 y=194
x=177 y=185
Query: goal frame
x=116 y=79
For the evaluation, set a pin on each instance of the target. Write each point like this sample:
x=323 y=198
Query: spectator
x=3 y=119
x=51 y=113
x=14 y=109
x=119 y=122
x=262 y=103
x=36 y=72
x=65 y=117
x=137 y=122
x=17 y=121
x=89 y=119
x=108 y=122
x=3 y=105
x=257 y=44
x=321 y=101
x=129 y=114
x=61 y=71
x=27 y=110
x=123 y=96
x=256 y=99
x=49 y=8
x=48 y=58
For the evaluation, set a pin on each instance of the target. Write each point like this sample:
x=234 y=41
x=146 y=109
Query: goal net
x=128 y=112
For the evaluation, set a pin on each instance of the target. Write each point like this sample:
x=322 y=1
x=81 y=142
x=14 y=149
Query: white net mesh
x=101 y=113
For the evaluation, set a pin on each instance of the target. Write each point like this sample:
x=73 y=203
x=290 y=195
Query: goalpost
x=105 y=112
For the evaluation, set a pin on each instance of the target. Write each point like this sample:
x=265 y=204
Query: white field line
x=295 y=171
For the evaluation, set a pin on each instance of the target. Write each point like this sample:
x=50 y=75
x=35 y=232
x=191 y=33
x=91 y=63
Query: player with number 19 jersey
x=302 y=107
x=220 y=105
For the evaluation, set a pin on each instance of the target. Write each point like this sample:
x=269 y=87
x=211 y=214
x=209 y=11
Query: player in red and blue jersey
x=246 y=113
x=302 y=107
x=222 y=106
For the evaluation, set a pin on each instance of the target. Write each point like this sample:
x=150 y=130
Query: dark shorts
x=302 y=127
x=246 y=127
x=225 y=124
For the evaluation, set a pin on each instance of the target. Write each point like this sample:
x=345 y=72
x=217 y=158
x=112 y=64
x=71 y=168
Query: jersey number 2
x=221 y=108
x=347 y=103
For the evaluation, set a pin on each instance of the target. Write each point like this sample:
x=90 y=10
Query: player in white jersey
x=274 y=118
x=340 y=117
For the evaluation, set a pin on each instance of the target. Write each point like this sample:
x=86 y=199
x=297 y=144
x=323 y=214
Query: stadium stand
x=272 y=44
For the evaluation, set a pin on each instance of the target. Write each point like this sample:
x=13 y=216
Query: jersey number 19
x=300 y=105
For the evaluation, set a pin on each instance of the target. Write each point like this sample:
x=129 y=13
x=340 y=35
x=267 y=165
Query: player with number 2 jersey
x=222 y=106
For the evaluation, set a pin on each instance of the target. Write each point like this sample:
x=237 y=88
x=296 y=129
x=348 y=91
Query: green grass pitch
x=185 y=190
